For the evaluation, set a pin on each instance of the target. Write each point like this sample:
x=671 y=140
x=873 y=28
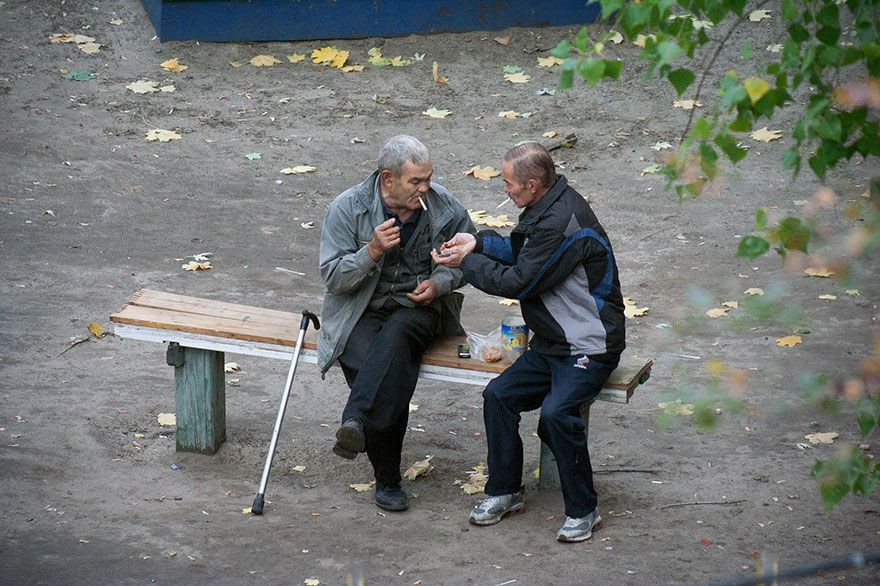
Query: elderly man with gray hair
x=386 y=301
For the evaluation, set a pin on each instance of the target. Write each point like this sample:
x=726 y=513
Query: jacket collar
x=530 y=214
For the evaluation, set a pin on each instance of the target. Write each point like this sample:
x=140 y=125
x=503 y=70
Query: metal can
x=514 y=337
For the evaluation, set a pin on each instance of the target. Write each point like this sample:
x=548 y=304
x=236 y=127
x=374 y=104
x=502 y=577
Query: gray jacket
x=348 y=271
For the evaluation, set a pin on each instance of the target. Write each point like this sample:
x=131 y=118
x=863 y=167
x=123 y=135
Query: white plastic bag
x=486 y=347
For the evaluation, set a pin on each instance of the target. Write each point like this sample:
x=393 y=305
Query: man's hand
x=385 y=237
x=453 y=251
x=424 y=293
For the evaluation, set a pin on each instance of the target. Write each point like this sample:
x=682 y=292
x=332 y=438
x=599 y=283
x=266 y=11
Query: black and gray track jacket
x=559 y=264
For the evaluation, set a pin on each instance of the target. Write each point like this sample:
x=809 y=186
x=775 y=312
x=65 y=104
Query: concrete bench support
x=548 y=472
x=200 y=398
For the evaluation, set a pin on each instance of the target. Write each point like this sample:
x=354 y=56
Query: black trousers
x=381 y=365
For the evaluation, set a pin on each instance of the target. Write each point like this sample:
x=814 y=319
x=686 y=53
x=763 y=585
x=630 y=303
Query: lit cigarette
x=421 y=201
x=502 y=203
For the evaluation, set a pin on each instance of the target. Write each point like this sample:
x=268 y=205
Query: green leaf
x=828 y=34
x=702 y=129
x=866 y=420
x=566 y=79
x=609 y=7
x=581 y=39
x=727 y=144
x=742 y=123
x=751 y=247
x=510 y=69
x=760 y=219
x=668 y=51
x=591 y=69
x=680 y=79
x=612 y=68
x=791 y=159
x=789 y=10
x=818 y=165
x=798 y=33
x=562 y=49
x=746 y=52
x=792 y=233
x=708 y=157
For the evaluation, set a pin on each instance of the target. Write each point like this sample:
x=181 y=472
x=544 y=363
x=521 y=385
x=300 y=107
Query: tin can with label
x=514 y=337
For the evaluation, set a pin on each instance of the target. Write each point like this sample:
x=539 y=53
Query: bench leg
x=200 y=398
x=548 y=475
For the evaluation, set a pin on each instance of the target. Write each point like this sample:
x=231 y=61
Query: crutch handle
x=308 y=315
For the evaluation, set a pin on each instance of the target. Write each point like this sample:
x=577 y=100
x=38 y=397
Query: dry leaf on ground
x=231 y=367
x=197 y=266
x=173 y=65
x=362 y=487
x=550 y=61
x=162 y=135
x=435 y=70
x=641 y=40
x=758 y=15
x=676 y=408
x=754 y=291
x=789 y=341
x=550 y=134
x=143 y=86
x=718 y=312
x=631 y=309
x=329 y=56
x=852 y=292
x=484 y=173
x=69 y=38
x=352 y=68
x=476 y=482
x=731 y=304
x=96 y=330
x=776 y=48
x=764 y=135
x=822 y=438
x=687 y=104
x=299 y=468
x=167 y=419
x=819 y=272
x=264 y=61
x=828 y=297
x=90 y=48
x=299 y=169
x=517 y=77
x=312 y=582
x=435 y=113
x=296 y=57
x=413 y=407
x=508 y=302
x=615 y=37
x=502 y=40
x=419 y=468
x=235 y=64
x=659 y=146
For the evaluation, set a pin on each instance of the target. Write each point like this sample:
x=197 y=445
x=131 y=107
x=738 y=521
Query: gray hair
x=530 y=160
x=399 y=149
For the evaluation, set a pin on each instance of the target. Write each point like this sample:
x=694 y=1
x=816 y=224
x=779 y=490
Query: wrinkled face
x=403 y=192
x=522 y=194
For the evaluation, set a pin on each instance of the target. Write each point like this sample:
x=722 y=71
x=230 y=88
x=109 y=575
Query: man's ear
x=532 y=184
x=385 y=175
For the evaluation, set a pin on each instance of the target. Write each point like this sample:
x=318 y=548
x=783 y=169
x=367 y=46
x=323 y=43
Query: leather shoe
x=391 y=498
x=350 y=439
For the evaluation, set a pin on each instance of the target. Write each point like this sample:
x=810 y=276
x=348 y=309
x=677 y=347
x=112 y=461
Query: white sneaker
x=495 y=508
x=579 y=529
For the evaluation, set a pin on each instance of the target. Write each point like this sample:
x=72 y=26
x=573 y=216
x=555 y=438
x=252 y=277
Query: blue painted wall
x=276 y=20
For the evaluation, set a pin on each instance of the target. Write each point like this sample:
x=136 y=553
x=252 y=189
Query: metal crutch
x=257 y=507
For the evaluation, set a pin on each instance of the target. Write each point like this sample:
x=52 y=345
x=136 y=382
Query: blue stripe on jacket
x=497 y=247
x=601 y=292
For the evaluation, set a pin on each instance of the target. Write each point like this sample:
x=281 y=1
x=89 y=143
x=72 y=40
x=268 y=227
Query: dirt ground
x=91 y=489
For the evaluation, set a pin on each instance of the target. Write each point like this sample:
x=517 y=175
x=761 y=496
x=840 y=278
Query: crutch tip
x=257 y=507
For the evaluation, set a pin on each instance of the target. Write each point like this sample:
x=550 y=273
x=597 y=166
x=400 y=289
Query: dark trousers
x=558 y=387
x=381 y=366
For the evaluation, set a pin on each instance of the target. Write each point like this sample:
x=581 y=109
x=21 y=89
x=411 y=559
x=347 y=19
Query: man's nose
x=423 y=187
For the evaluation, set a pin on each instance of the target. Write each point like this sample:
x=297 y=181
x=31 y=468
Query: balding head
x=530 y=160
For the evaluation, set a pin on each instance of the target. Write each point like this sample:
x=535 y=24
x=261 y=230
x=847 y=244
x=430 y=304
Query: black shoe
x=391 y=498
x=350 y=438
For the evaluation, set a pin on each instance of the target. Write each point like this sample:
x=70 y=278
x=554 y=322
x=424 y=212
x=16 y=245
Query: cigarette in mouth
x=502 y=203
x=421 y=201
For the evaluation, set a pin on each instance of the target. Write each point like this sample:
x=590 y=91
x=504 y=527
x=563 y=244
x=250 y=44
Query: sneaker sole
x=350 y=439
x=596 y=526
x=517 y=508
x=393 y=509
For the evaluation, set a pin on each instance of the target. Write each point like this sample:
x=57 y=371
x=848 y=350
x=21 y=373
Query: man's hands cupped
x=453 y=251
x=424 y=293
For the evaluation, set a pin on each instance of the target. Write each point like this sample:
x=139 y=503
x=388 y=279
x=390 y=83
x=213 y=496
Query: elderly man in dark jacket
x=559 y=263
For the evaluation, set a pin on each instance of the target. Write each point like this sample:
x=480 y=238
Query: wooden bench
x=199 y=332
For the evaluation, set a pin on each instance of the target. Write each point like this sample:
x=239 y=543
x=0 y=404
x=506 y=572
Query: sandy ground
x=91 y=489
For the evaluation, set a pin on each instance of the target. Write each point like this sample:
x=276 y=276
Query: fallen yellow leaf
x=687 y=104
x=508 y=302
x=312 y=582
x=631 y=309
x=641 y=40
x=299 y=468
x=299 y=169
x=615 y=37
x=247 y=511
x=231 y=367
x=296 y=57
x=90 y=48
x=852 y=291
x=509 y=114
x=143 y=86
x=476 y=482
x=718 y=312
x=828 y=297
x=197 y=266
x=754 y=291
x=329 y=56
x=789 y=341
x=167 y=419
x=352 y=68
x=96 y=330
x=731 y=304
x=419 y=468
x=362 y=487
x=517 y=77
x=264 y=61
x=827 y=437
x=435 y=70
x=235 y=63
x=758 y=15
x=162 y=135
x=413 y=407
x=484 y=173
x=435 y=113
x=173 y=65
x=819 y=272
x=399 y=61
x=764 y=135
x=550 y=134
x=549 y=61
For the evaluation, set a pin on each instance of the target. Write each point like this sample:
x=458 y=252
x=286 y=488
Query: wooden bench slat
x=196 y=305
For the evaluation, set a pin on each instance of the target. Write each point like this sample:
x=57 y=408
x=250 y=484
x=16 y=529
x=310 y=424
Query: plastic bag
x=486 y=347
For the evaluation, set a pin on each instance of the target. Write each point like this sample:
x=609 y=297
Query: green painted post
x=200 y=397
x=548 y=475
